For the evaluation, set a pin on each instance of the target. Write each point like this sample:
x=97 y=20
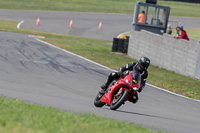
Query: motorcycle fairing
x=122 y=85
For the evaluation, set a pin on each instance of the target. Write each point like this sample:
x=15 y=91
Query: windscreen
x=136 y=75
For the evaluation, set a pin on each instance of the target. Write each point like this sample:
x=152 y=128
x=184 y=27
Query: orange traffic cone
x=38 y=21
x=71 y=22
x=100 y=25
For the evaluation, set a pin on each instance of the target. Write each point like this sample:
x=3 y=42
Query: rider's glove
x=120 y=73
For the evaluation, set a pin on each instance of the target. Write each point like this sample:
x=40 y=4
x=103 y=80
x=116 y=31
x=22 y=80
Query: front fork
x=131 y=91
x=121 y=89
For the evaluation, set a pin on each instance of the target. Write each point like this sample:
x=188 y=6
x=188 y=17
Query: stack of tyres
x=126 y=41
x=115 y=44
x=120 y=47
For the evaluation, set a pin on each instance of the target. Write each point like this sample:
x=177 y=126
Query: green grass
x=106 y=6
x=193 y=33
x=100 y=52
x=182 y=8
x=20 y=117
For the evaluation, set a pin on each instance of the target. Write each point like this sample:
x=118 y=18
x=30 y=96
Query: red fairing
x=122 y=85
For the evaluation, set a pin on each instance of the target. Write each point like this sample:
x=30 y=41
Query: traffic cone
x=100 y=25
x=71 y=22
x=38 y=21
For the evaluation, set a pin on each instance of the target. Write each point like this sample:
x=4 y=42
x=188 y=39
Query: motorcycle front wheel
x=97 y=101
x=118 y=100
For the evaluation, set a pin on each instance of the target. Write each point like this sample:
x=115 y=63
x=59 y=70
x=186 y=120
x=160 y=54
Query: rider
x=140 y=66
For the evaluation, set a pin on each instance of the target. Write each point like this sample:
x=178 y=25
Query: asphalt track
x=84 y=24
x=39 y=73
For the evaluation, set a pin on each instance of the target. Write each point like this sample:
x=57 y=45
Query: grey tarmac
x=35 y=72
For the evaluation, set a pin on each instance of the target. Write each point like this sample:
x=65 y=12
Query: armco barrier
x=178 y=55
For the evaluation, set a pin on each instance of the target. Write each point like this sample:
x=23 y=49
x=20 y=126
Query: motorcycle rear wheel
x=117 y=102
x=98 y=102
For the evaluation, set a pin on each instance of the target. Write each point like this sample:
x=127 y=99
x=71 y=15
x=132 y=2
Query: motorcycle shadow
x=141 y=114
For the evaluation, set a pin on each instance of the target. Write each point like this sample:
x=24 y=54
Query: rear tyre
x=98 y=102
x=118 y=100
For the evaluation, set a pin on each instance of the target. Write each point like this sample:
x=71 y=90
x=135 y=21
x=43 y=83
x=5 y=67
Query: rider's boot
x=103 y=87
x=134 y=99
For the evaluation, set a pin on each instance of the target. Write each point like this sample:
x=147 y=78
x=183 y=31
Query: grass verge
x=193 y=33
x=99 y=51
x=106 y=6
x=20 y=117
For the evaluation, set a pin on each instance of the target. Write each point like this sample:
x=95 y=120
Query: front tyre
x=98 y=102
x=118 y=100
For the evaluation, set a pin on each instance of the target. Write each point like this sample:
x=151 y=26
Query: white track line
x=172 y=92
x=73 y=54
x=112 y=69
x=18 y=26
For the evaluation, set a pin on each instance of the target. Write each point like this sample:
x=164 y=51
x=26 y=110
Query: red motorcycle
x=119 y=91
